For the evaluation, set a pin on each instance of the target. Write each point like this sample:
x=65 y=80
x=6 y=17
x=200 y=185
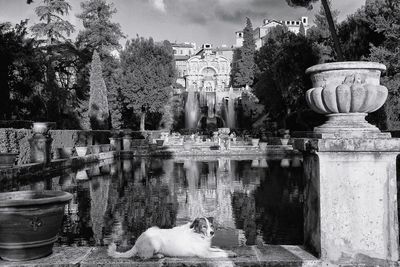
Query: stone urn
x=95 y=149
x=187 y=146
x=82 y=175
x=284 y=141
x=255 y=142
x=255 y=163
x=30 y=222
x=346 y=92
x=263 y=146
x=7 y=160
x=263 y=163
x=160 y=142
x=81 y=151
x=41 y=127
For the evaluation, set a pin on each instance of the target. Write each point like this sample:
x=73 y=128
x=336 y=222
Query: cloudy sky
x=200 y=21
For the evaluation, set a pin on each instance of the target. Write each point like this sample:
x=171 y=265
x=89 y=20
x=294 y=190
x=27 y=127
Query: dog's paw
x=112 y=248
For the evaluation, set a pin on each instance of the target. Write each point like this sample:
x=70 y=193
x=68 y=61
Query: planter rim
x=346 y=65
x=48 y=196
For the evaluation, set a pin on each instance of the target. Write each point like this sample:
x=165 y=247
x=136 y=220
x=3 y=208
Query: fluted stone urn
x=346 y=92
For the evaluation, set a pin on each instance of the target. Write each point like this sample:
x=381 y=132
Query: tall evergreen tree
x=148 y=72
x=103 y=35
x=99 y=32
x=52 y=26
x=243 y=68
x=98 y=104
x=302 y=30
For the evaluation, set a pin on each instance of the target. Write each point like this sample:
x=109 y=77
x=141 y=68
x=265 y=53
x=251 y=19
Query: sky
x=199 y=21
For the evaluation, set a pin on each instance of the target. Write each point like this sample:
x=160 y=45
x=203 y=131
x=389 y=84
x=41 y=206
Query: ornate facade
x=207 y=72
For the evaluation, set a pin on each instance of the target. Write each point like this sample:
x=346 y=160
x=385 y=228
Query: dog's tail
x=112 y=252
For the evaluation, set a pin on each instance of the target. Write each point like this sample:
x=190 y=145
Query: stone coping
x=347 y=144
x=262 y=255
x=55 y=166
x=248 y=151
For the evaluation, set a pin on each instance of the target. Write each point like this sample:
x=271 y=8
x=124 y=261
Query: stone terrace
x=282 y=256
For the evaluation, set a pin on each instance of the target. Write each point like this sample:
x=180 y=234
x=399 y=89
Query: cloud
x=159 y=5
x=238 y=16
x=213 y=11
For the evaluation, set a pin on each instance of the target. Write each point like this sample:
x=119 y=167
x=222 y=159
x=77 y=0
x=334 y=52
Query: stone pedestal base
x=115 y=143
x=346 y=123
x=126 y=143
x=351 y=199
x=40 y=146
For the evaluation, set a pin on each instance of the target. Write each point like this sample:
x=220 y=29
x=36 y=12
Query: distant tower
x=239 y=38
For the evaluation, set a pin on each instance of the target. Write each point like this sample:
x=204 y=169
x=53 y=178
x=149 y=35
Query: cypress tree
x=243 y=72
x=302 y=30
x=98 y=104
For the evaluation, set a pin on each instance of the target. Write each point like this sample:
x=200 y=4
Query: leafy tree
x=384 y=18
x=281 y=79
x=357 y=34
x=98 y=103
x=20 y=73
x=58 y=90
x=148 y=69
x=320 y=35
x=329 y=18
x=243 y=70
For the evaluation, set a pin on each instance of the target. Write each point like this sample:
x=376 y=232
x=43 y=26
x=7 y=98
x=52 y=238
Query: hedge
x=17 y=140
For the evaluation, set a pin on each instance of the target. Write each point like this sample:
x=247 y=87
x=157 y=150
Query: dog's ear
x=211 y=220
x=195 y=223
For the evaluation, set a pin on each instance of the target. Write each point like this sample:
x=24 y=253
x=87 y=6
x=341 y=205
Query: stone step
x=268 y=255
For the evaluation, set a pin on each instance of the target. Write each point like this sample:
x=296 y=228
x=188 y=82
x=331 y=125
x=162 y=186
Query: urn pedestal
x=350 y=192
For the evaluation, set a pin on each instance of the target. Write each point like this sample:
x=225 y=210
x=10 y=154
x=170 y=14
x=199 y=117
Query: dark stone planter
x=65 y=152
x=159 y=142
x=95 y=150
x=30 y=221
x=7 y=160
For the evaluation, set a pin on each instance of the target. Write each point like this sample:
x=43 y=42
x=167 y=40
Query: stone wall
x=17 y=140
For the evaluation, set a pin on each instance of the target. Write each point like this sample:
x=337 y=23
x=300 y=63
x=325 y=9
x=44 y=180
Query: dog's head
x=203 y=226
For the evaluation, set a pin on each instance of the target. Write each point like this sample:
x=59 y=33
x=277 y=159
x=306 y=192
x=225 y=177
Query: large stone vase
x=29 y=223
x=346 y=92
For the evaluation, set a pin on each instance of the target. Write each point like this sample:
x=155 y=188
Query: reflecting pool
x=253 y=201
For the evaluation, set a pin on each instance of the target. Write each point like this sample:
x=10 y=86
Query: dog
x=188 y=240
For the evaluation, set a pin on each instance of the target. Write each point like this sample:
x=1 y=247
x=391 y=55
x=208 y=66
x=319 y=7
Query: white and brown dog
x=188 y=240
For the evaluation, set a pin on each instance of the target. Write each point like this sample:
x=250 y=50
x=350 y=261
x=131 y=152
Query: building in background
x=208 y=68
x=261 y=31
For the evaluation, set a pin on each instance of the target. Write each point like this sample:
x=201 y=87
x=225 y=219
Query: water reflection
x=252 y=201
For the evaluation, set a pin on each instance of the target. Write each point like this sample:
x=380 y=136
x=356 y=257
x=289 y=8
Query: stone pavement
x=282 y=256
